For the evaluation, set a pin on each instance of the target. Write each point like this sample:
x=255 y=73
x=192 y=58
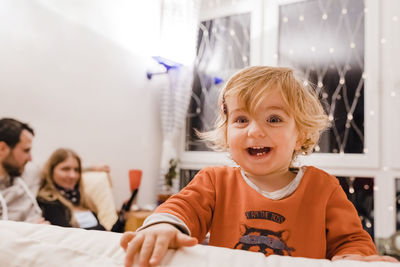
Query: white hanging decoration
x=178 y=41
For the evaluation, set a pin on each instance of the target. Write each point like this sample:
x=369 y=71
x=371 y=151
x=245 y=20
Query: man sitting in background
x=17 y=201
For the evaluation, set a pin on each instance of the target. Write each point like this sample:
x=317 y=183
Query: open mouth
x=258 y=151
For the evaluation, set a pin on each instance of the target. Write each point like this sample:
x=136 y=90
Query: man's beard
x=10 y=168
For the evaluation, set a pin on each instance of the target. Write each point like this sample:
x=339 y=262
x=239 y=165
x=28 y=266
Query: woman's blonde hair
x=49 y=192
x=252 y=85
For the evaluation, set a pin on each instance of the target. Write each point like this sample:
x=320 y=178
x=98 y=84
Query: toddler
x=266 y=118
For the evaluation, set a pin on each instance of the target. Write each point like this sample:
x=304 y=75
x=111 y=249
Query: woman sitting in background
x=60 y=195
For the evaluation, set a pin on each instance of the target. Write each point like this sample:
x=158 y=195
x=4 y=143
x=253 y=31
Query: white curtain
x=179 y=25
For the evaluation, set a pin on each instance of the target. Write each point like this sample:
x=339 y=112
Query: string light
x=352 y=45
x=312 y=48
x=344 y=11
x=393 y=94
x=232 y=32
x=371 y=112
x=244 y=58
x=395 y=18
x=285 y=19
x=365 y=150
x=320 y=84
x=383 y=41
x=324 y=16
x=342 y=81
x=331 y=50
x=301 y=18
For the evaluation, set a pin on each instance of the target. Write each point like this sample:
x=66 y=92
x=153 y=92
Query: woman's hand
x=152 y=243
x=357 y=257
x=41 y=221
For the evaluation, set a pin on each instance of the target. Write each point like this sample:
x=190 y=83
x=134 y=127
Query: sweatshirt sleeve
x=344 y=232
x=194 y=204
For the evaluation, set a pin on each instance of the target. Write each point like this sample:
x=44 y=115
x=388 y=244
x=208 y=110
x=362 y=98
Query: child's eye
x=274 y=119
x=241 y=119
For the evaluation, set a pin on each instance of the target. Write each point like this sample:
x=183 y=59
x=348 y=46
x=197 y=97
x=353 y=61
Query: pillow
x=97 y=185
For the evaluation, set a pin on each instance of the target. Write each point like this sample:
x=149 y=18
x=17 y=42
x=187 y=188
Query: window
x=223 y=48
x=350 y=51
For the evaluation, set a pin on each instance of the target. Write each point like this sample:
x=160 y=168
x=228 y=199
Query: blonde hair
x=252 y=85
x=49 y=192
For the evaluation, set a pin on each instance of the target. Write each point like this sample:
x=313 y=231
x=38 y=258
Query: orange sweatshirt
x=316 y=221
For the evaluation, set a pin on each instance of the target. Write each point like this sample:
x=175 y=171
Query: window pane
x=360 y=191
x=325 y=41
x=398 y=204
x=223 y=48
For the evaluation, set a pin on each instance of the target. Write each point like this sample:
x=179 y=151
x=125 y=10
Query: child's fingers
x=160 y=248
x=380 y=258
x=146 y=250
x=357 y=257
x=347 y=257
x=183 y=240
x=133 y=247
x=126 y=238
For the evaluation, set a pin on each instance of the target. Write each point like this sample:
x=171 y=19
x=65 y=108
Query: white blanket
x=24 y=244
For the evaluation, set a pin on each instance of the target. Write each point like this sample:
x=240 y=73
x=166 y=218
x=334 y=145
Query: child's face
x=261 y=144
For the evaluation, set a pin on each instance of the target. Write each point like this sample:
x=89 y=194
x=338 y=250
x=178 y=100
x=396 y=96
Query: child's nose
x=256 y=130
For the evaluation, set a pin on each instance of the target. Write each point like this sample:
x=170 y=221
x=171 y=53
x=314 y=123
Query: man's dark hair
x=10 y=131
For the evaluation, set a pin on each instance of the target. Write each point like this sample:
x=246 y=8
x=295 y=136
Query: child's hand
x=357 y=257
x=153 y=242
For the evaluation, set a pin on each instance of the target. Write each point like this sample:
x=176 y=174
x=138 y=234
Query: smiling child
x=266 y=118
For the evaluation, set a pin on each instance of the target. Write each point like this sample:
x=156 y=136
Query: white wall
x=75 y=71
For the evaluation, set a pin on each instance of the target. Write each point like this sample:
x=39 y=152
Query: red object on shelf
x=135 y=176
